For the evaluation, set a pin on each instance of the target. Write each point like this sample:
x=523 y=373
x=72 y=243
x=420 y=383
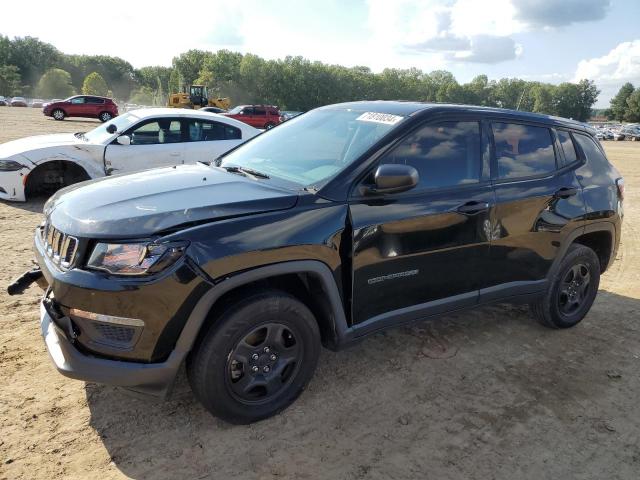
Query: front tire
x=58 y=114
x=105 y=117
x=256 y=358
x=572 y=291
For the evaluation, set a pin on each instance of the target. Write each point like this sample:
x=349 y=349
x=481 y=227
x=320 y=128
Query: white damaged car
x=137 y=140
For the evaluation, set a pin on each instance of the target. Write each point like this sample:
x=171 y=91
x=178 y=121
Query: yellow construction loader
x=197 y=97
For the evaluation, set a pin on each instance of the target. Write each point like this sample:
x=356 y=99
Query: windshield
x=313 y=147
x=100 y=134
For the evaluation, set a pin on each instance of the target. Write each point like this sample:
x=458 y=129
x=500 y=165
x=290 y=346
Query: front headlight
x=10 y=166
x=135 y=258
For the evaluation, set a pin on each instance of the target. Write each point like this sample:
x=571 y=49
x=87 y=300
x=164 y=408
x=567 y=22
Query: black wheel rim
x=574 y=289
x=263 y=363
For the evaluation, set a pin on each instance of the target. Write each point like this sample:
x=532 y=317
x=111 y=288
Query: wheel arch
x=599 y=236
x=36 y=174
x=310 y=281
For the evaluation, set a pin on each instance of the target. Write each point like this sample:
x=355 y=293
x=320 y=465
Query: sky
x=546 y=40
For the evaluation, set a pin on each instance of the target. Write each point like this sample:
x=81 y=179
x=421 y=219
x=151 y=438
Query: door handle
x=473 y=207
x=566 y=192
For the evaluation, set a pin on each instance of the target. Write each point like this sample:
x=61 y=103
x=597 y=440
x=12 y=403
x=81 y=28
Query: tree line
x=625 y=106
x=29 y=66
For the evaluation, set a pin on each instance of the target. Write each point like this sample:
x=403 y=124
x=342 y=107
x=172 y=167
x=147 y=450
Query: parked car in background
x=88 y=106
x=213 y=110
x=258 y=116
x=133 y=141
x=18 y=102
x=341 y=223
x=36 y=103
x=289 y=114
x=49 y=102
x=631 y=132
x=3 y=101
x=604 y=134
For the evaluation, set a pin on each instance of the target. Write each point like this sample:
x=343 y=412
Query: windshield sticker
x=385 y=118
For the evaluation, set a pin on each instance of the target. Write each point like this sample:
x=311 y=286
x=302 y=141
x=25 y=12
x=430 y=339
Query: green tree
x=542 y=96
x=9 y=80
x=633 y=107
x=189 y=64
x=587 y=95
x=94 y=84
x=619 y=106
x=174 y=81
x=32 y=57
x=55 y=82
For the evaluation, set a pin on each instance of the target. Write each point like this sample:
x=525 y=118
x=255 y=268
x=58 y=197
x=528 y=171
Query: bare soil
x=487 y=394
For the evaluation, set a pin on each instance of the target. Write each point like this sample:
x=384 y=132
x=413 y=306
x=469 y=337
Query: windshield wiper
x=80 y=135
x=249 y=172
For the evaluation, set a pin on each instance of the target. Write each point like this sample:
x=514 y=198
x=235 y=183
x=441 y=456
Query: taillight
x=620 y=185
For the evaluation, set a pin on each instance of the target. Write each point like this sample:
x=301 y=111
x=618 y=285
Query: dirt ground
x=488 y=394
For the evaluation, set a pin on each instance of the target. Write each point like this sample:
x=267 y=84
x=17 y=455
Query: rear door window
x=205 y=131
x=568 y=148
x=523 y=150
x=95 y=100
x=259 y=111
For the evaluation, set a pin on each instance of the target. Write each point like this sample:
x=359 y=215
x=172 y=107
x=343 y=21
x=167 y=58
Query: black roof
x=406 y=108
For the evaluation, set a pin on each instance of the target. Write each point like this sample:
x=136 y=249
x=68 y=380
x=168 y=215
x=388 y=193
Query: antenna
x=524 y=90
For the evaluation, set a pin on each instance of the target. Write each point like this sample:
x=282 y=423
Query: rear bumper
x=149 y=378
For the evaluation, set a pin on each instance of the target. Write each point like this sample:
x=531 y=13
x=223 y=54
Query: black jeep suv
x=341 y=222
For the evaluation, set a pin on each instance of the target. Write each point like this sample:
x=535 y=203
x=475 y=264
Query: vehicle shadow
x=387 y=401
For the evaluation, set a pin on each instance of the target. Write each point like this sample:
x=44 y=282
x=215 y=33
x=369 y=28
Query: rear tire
x=256 y=357
x=105 y=117
x=58 y=114
x=572 y=290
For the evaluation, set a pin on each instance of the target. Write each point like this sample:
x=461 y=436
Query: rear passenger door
x=206 y=139
x=538 y=203
x=94 y=106
x=424 y=251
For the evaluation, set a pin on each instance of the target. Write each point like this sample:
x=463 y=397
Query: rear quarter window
x=590 y=150
x=523 y=150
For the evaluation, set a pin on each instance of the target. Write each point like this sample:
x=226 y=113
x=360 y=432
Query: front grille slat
x=59 y=247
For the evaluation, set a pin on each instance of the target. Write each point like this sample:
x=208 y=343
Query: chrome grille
x=59 y=247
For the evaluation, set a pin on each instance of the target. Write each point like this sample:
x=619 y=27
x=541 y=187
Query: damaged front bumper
x=149 y=378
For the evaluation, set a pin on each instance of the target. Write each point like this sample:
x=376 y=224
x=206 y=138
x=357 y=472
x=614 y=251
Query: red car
x=258 y=116
x=89 y=106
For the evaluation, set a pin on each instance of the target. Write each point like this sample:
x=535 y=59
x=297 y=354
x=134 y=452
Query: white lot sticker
x=386 y=118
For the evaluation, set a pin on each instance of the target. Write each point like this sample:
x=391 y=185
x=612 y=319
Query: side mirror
x=111 y=128
x=393 y=178
x=124 y=140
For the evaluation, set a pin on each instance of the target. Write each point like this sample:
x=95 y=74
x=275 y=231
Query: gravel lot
x=476 y=395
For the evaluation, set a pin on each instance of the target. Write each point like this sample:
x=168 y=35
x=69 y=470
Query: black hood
x=153 y=201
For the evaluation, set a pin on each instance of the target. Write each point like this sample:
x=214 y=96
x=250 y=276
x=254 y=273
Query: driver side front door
x=157 y=142
x=424 y=251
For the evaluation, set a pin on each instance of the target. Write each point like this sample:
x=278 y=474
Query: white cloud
x=611 y=71
x=459 y=30
x=472 y=30
x=622 y=64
